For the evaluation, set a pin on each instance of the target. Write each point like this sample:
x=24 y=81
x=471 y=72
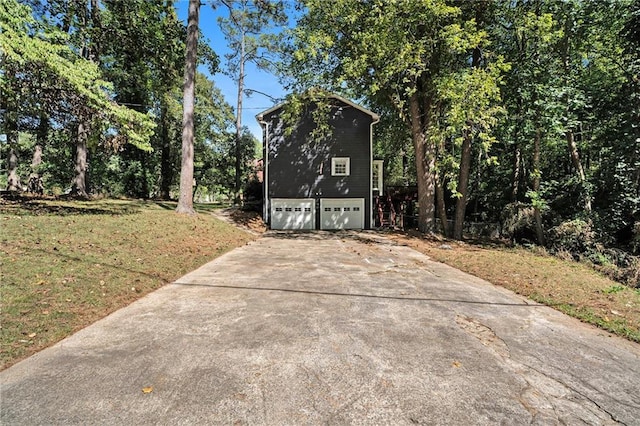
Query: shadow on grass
x=209 y=207
x=478 y=242
x=167 y=205
x=32 y=206
x=90 y=261
x=198 y=207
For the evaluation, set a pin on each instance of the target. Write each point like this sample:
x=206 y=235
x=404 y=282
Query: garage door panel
x=293 y=213
x=342 y=213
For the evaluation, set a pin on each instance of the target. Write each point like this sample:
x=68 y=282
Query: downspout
x=376 y=120
x=265 y=163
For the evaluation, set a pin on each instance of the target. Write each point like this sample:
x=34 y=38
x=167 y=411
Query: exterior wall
x=301 y=168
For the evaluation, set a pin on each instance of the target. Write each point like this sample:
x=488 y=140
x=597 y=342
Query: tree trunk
x=11 y=129
x=166 y=169
x=41 y=140
x=185 y=202
x=465 y=154
x=13 y=180
x=144 y=158
x=441 y=207
x=425 y=164
x=515 y=178
x=36 y=161
x=577 y=165
x=238 y=166
x=79 y=186
x=463 y=185
x=35 y=182
x=569 y=134
x=536 y=186
x=89 y=21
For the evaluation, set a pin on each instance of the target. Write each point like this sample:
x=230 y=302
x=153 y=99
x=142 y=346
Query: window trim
x=335 y=161
x=378 y=185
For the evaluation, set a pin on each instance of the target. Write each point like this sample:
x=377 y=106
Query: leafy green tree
x=525 y=35
x=43 y=63
x=612 y=117
x=392 y=144
x=568 y=130
x=469 y=98
x=391 y=53
x=247 y=30
x=143 y=53
x=213 y=121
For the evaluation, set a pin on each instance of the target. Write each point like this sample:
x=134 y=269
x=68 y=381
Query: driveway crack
x=485 y=335
x=542 y=392
x=570 y=390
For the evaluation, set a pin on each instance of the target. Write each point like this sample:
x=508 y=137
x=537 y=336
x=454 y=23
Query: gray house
x=320 y=183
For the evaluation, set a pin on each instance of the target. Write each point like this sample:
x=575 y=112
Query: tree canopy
x=98 y=83
x=30 y=51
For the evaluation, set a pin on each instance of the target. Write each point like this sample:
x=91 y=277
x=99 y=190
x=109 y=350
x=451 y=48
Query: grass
x=567 y=286
x=66 y=264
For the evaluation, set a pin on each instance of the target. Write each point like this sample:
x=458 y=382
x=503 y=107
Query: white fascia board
x=375 y=117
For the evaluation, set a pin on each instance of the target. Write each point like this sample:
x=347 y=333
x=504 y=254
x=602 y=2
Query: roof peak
x=321 y=93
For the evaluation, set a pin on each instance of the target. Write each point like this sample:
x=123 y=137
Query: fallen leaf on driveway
x=148 y=389
x=456 y=364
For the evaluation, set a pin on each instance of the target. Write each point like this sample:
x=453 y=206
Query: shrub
x=576 y=237
x=629 y=274
x=518 y=223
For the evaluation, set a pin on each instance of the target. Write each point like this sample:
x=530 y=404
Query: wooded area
x=520 y=113
x=92 y=102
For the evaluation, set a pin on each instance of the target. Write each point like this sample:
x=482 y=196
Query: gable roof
x=372 y=114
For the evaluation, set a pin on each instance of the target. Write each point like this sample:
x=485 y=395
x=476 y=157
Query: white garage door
x=293 y=213
x=342 y=213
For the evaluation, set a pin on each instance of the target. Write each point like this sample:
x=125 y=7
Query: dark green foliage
x=574 y=236
x=579 y=240
x=253 y=195
x=138 y=47
x=518 y=223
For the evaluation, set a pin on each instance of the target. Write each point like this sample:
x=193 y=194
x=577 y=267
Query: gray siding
x=301 y=168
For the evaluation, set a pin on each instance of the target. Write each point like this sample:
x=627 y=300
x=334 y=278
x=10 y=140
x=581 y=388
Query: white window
x=340 y=166
x=376 y=176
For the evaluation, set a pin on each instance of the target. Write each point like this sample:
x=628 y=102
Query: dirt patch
x=250 y=221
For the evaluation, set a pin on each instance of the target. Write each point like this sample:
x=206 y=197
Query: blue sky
x=255 y=79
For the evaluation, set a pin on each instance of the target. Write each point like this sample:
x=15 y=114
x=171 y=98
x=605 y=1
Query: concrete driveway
x=324 y=328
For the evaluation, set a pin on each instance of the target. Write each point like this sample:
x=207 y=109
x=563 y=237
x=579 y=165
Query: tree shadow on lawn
x=90 y=261
x=471 y=242
x=198 y=207
x=36 y=206
x=167 y=205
